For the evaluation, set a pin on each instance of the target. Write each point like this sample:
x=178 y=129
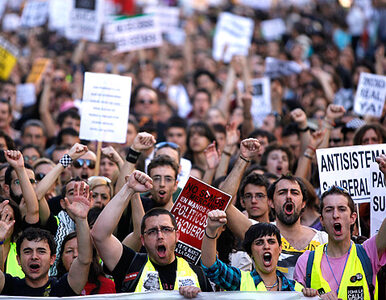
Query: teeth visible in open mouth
x=267 y=257
x=162 y=192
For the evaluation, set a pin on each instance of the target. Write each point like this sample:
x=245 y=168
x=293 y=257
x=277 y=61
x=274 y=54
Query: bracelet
x=226 y=153
x=304 y=129
x=66 y=160
x=132 y=156
x=312 y=148
x=2 y=242
x=210 y=237
x=305 y=154
x=244 y=159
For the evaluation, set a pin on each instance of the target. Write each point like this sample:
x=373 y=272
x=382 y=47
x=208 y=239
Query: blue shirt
x=229 y=278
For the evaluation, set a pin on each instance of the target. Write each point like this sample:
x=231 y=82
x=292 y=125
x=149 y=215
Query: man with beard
x=287 y=196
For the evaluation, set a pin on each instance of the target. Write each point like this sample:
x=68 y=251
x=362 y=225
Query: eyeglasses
x=257 y=196
x=158 y=178
x=146 y=101
x=167 y=144
x=39 y=176
x=80 y=162
x=17 y=181
x=165 y=230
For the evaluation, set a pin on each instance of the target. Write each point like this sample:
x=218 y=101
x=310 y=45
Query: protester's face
x=269 y=123
x=70 y=122
x=370 y=138
x=131 y=133
x=201 y=105
x=84 y=166
x=164 y=184
x=293 y=142
x=59 y=80
x=160 y=246
x=337 y=217
x=30 y=155
x=35 y=259
x=101 y=195
x=108 y=168
x=214 y=116
x=34 y=135
x=175 y=70
x=176 y=135
x=70 y=252
x=263 y=144
x=9 y=92
x=220 y=140
x=69 y=140
x=198 y=141
x=265 y=252
x=70 y=192
x=287 y=201
x=204 y=82
x=3 y=144
x=277 y=162
x=15 y=189
x=4 y=191
x=336 y=137
x=5 y=117
x=255 y=201
x=146 y=103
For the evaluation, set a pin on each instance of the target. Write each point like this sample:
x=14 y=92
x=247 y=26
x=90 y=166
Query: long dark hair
x=96 y=269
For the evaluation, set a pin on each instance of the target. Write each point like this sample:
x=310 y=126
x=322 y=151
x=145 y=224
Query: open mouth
x=279 y=168
x=84 y=176
x=267 y=258
x=161 y=251
x=289 y=208
x=34 y=266
x=162 y=193
x=337 y=228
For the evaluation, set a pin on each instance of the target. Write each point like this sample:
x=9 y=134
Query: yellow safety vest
x=247 y=284
x=347 y=288
x=12 y=266
x=150 y=281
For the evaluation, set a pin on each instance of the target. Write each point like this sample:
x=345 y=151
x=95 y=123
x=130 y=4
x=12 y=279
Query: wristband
x=305 y=154
x=244 y=159
x=132 y=156
x=2 y=242
x=210 y=237
x=304 y=129
x=66 y=160
x=226 y=153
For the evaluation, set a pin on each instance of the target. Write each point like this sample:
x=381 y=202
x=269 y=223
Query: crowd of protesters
x=189 y=116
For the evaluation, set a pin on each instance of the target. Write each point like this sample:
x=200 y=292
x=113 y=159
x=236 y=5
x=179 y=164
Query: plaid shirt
x=229 y=278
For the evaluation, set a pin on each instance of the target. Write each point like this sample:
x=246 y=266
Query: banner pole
x=98 y=159
x=359 y=222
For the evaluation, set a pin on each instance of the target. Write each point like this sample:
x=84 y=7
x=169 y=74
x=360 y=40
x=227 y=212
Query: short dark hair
x=72 y=113
x=201 y=72
x=36 y=234
x=66 y=131
x=28 y=146
x=206 y=130
x=162 y=160
x=154 y=212
x=176 y=121
x=261 y=132
x=336 y=190
x=205 y=91
x=33 y=123
x=260 y=230
x=289 y=177
x=273 y=147
x=8 y=140
x=220 y=128
x=255 y=179
x=76 y=179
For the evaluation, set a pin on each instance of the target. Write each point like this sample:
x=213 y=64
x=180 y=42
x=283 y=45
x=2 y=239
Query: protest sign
x=261 y=99
x=37 y=70
x=58 y=14
x=273 y=29
x=105 y=107
x=85 y=20
x=25 y=94
x=11 y=22
x=35 y=13
x=8 y=57
x=233 y=36
x=3 y=5
x=275 y=68
x=264 y=5
x=191 y=211
x=134 y=33
x=168 y=17
x=349 y=168
x=378 y=198
x=370 y=95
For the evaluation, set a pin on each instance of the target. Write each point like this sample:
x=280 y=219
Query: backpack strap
x=310 y=262
x=137 y=265
x=366 y=264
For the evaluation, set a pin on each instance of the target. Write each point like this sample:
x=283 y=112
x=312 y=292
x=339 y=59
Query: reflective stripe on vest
x=12 y=266
x=150 y=281
x=247 y=284
x=350 y=287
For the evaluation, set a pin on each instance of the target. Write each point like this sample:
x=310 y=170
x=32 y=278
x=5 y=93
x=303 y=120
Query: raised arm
x=108 y=246
x=212 y=156
x=78 y=209
x=333 y=112
x=6 y=228
x=300 y=118
x=44 y=110
x=133 y=240
x=15 y=159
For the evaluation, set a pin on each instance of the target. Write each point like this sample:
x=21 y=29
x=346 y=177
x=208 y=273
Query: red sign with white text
x=191 y=211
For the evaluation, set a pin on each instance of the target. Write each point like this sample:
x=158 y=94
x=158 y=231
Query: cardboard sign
x=273 y=29
x=8 y=58
x=378 y=199
x=168 y=17
x=58 y=14
x=349 y=168
x=370 y=95
x=275 y=68
x=191 y=212
x=85 y=20
x=25 y=94
x=38 y=69
x=105 y=107
x=135 y=33
x=35 y=13
x=233 y=35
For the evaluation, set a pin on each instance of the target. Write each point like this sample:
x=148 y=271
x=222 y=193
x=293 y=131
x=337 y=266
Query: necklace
x=270 y=287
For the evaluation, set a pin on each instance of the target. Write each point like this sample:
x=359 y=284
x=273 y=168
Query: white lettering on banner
x=35 y=13
x=370 y=95
x=168 y=17
x=349 y=168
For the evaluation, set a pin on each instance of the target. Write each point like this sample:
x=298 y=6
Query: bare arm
x=6 y=229
x=133 y=239
x=44 y=110
x=300 y=118
x=212 y=159
x=333 y=112
x=223 y=103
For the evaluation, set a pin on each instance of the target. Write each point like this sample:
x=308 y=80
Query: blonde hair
x=95 y=181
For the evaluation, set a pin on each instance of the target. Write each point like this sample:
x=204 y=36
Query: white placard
x=105 y=107
x=378 y=198
x=349 y=168
x=273 y=29
x=34 y=14
x=370 y=95
x=233 y=33
x=58 y=12
x=11 y=22
x=276 y=67
x=264 y=5
x=85 y=20
x=168 y=17
x=134 y=33
x=3 y=5
x=25 y=94
x=261 y=99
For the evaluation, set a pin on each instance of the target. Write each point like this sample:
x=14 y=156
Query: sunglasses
x=39 y=176
x=79 y=163
x=167 y=144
